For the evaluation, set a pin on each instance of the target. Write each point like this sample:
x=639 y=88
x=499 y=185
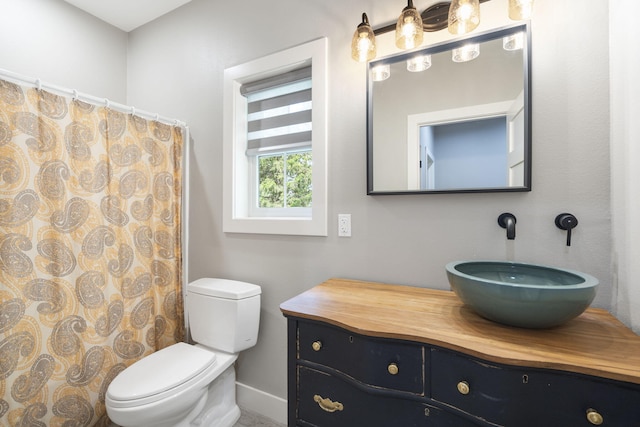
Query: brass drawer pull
x=393 y=369
x=594 y=417
x=463 y=387
x=316 y=346
x=327 y=404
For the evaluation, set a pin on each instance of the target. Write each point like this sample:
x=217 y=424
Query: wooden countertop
x=595 y=343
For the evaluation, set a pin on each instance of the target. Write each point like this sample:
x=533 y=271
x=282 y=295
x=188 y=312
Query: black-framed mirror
x=454 y=126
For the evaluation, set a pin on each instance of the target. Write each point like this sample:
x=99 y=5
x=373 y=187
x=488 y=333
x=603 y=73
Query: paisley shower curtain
x=90 y=254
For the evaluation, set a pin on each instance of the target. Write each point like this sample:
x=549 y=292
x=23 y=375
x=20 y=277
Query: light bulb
x=464 y=16
x=464 y=12
x=419 y=63
x=380 y=73
x=520 y=9
x=513 y=42
x=466 y=53
x=363 y=43
x=364 y=47
x=409 y=32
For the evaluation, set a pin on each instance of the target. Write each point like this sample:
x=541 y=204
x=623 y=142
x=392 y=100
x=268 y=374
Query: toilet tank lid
x=224 y=288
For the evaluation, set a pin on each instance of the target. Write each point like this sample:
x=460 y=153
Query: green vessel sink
x=523 y=295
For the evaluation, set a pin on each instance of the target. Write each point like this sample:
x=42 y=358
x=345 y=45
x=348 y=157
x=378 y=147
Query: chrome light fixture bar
x=460 y=16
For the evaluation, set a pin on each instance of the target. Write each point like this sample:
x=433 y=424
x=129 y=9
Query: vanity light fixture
x=419 y=63
x=520 y=9
x=460 y=16
x=464 y=16
x=409 y=30
x=465 y=53
x=363 y=44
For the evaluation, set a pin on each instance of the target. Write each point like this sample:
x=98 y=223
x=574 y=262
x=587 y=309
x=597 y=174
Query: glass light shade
x=419 y=63
x=513 y=42
x=363 y=44
x=466 y=53
x=409 y=32
x=380 y=73
x=520 y=9
x=464 y=16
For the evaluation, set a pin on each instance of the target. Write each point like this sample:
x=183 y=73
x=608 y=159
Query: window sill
x=303 y=226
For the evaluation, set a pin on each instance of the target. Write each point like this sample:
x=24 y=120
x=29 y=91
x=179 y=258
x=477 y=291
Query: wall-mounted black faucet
x=566 y=221
x=508 y=220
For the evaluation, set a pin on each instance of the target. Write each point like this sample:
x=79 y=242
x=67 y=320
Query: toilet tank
x=223 y=314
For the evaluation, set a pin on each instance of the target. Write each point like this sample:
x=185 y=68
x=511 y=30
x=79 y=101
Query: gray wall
x=62 y=45
x=471 y=154
x=175 y=66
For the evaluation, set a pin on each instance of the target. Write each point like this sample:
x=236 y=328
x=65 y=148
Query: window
x=275 y=143
x=279 y=134
x=284 y=184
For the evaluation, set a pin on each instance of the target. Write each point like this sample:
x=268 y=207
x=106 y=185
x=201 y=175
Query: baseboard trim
x=262 y=403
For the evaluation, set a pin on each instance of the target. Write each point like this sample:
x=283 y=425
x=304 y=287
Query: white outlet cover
x=344 y=225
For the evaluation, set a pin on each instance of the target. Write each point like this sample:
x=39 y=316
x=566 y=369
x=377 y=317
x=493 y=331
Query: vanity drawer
x=568 y=397
x=490 y=392
x=523 y=397
x=378 y=362
x=324 y=400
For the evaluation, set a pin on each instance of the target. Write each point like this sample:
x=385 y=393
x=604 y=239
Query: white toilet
x=192 y=385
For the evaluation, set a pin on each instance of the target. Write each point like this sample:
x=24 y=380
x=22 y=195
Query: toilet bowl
x=187 y=385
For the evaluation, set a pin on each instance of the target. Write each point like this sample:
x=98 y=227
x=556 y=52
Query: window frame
x=238 y=216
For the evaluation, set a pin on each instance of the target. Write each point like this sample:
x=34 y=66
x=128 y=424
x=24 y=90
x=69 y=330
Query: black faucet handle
x=508 y=220
x=567 y=221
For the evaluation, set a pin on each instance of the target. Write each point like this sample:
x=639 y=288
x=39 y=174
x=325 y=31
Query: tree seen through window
x=285 y=180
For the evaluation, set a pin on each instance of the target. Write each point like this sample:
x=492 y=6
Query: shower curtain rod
x=38 y=84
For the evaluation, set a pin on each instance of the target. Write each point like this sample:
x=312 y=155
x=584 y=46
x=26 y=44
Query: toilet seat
x=165 y=372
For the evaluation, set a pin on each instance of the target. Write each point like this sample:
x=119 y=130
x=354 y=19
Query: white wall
x=61 y=45
x=176 y=64
x=625 y=156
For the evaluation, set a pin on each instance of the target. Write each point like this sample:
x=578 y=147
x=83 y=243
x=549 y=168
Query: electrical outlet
x=344 y=225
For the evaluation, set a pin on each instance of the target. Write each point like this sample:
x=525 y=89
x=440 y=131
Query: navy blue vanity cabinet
x=523 y=397
x=570 y=399
x=498 y=395
x=343 y=379
x=364 y=354
x=329 y=399
x=390 y=364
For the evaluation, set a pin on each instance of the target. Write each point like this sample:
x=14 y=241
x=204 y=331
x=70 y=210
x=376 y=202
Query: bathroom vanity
x=371 y=354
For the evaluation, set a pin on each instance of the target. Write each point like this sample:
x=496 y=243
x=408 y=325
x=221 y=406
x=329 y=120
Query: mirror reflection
x=452 y=118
